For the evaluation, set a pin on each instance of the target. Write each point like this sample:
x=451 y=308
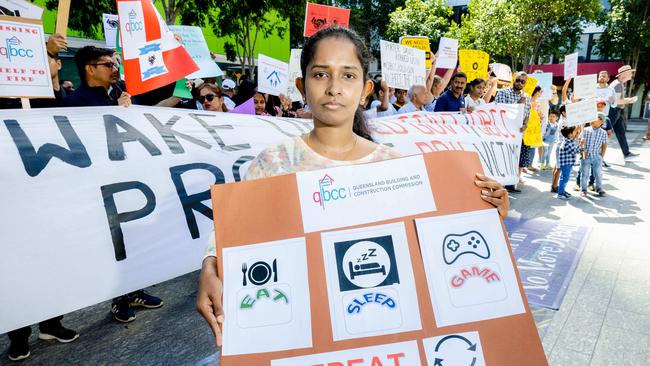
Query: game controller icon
x=472 y=242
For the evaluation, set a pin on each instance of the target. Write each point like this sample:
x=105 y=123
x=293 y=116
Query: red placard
x=319 y=17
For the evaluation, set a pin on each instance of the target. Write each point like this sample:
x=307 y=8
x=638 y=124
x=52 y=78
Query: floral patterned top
x=295 y=155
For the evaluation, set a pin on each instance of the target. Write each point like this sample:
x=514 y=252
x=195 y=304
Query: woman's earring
x=363 y=101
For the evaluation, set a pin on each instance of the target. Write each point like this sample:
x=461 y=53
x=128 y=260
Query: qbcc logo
x=326 y=192
x=133 y=25
x=13 y=49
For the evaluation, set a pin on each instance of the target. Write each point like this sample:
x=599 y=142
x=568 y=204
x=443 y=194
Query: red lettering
x=376 y=361
x=355 y=361
x=395 y=357
x=422 y=145
x=492 y=277
x=400 y=131
x=502 y=113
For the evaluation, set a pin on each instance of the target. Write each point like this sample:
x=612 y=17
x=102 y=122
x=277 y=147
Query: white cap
x=228 y=84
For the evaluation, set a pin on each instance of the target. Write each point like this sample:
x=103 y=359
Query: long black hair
x=359 y=126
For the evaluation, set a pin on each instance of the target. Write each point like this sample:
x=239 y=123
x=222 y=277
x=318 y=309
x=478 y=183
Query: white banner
x=402 y=66
x=273 y=75
x=584 y=86
x=107 y=200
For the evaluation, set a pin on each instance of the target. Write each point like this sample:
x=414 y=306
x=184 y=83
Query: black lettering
x=35 y=161
x=169 y=135
x=115 y=219
x=115 y=140
x=193 y=202
x=236 y=167
x=212 y=129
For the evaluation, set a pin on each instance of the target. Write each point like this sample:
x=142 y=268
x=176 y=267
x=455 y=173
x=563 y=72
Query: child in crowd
x=594 y=142
x=556 y=170
x=566 y=157
x=549 y=138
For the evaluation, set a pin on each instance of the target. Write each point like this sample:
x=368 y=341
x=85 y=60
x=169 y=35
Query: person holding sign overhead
x=334 y=65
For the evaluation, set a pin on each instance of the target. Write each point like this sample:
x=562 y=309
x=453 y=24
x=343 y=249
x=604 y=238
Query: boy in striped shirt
x=594 y=143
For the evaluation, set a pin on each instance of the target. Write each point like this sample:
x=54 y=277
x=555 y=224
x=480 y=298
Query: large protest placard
x=402 y=66
x=502 y=72
x=120 y=193
x=584 y=86
x=581 y=112
x=20 y=8
x=111 y=24
x=421 y=43
x=474 y=64
x=447 y=53
x=152 y=56
x=195 y=44
x=531 y=83
x=433 y=281
x=570 y=66
x=545 y=81
x=319 y=17
x=294 y=73
x=533 y=132
x=24 y=67
x=273 y=75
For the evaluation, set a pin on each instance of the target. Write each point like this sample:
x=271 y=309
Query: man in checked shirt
x=594 y=143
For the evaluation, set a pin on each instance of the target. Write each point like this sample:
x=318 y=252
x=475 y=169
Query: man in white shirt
x=419 y=96
x=228 y=87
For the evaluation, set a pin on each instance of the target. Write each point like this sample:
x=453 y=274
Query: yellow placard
x=474 y=64
x=421 y=43
x=533 y=133
x=531 y=83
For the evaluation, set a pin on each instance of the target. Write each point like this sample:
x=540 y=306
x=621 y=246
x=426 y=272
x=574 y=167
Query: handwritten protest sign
x=581 y=112
x=111 y=24
x=294 y=73
x=20 y=8
x=152 y=56
x=502 y=72
x=531 y=83
x=474 y=64
x=421 y=43
x=402 y=66
x=273 y=75
x=342 y=296
x=584 y=86
x=533 y=132
x=545 y=81
x=570 y=66
x=319 y=17
x=447 y=53
x=23 y=59
x=195 y=44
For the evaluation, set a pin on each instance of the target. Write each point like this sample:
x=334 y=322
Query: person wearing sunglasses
x=100 y=80
x=211 y=98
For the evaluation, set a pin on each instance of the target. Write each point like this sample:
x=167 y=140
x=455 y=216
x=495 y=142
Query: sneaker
x=630 y=155
x=583 y=194
x=122 y=312
x=576 y=188
x=18 y=351
x=141 y=298
x=562 y=196
x=591 y=187
x=601 y=192
x=553 y=189
x=59 y=333
x=567 y=194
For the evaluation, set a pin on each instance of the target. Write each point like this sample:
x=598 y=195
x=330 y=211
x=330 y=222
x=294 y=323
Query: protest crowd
x=574 y=152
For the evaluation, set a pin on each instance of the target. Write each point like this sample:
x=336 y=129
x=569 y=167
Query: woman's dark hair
x=87 y=55
x=214 y=89
x=245 y=91
x=475 y=82
x=538 y=89
x=359 y=126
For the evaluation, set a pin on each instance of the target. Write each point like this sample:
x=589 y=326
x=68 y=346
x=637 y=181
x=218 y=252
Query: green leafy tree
x=429 y=18
x=627 y=35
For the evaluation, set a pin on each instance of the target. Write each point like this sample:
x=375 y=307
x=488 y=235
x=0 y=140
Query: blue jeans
x=546 y=153
x=565 y=173
x=595 y=164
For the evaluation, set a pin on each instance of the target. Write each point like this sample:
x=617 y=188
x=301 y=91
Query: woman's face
x=214 y=105
x=260 y=104
x=478 y=90
x=334 y=84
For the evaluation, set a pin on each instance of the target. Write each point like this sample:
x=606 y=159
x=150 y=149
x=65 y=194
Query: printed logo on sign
x=366 y=263
x=471 y=242
x=274 y=78
x=134 y=25
x=475 y=284
x=263 y=301
x=12 y=49
x=326 y=192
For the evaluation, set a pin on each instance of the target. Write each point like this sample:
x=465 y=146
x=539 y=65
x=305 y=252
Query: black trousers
x=618 y=125
x=22 y=334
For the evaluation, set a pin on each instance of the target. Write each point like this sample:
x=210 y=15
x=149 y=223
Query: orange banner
x=319 y=17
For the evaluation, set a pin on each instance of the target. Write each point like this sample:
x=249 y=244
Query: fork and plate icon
x=259 y=273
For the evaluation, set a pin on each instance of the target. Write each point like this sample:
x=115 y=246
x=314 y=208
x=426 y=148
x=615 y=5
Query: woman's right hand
x=208 y=302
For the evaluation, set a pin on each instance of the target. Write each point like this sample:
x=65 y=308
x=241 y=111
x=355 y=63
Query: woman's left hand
x=494 y=193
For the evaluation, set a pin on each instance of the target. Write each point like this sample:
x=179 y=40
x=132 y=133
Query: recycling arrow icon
x=471 y=347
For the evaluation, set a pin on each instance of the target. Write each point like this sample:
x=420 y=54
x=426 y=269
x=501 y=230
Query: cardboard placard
x=20 y=8
x=23 y=59
x=474 y=64
x=502 y=71
x=111 y=25
x=531 y=83
x=399 y=291
x=570 y=66
x=421 y=43
x=195 y=44
x=447 y=53
x=319 y=17
x=402 y=66
x=581 y=112
x=533 y=132
x=584 y=86
x=273 y=75
x=545 y=81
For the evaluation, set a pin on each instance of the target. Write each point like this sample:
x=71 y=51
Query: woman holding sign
x=335 y=84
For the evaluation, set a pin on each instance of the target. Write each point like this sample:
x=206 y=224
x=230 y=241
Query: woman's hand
x=208 y=301
x=494 y=193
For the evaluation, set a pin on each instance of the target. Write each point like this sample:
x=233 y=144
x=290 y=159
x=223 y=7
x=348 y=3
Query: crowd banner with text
x=570 y=66
x=421 y=43
x=346 y=276
x=402 y=66
x=584 y=86
x=152 y=56
x=23 y=59
x=474 y=64
x=111 y=24
x=20 y=8
x=120 y=195
x=195 y=44
x=447 y=53
x=581 y=112
x=294 y=73
x=319 y=17
x=273 y=75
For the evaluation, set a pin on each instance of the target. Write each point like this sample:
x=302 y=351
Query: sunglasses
x=520 y=81
x=110 y=65
x=208 y=97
